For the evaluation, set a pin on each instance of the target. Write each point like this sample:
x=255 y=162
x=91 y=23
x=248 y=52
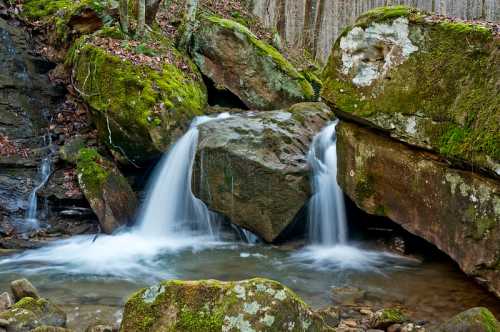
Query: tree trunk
x=124 y=15
x=141 y=18
x=152 y=7
x=190 y=20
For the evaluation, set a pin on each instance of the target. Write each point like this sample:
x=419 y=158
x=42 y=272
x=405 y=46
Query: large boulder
x=22 y=288
x=142 y=97
x=252 y=166
x=214 y=306
x=108 y=192
x=427 y=81
x=458 y=211
x=236 y=60
x=29 y=314
x=472 y=320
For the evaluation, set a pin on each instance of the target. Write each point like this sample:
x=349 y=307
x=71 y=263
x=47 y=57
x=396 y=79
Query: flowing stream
x=178 y=237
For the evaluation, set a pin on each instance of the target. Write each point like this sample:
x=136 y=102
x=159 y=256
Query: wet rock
x=252 y=166
x=331 y=316
x=22 y=288
x=4 y=323
x=140 y=108
x=29 y=313
x=395 y=328
x=5 y=302
x=428 y=82
x=51 y=329
x=236 y=60
x=69 y=151
x=457 y=211
x=249 y=305
x=384 y=318
x=348 y=296
x=472 y=320
x=108 y=192
x=99 y=328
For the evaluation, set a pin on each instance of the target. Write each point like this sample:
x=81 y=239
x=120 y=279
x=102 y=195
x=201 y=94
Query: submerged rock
x=140 y=104
x=214 y=306
x=29 y=314
x=473 y=320
x=429 y=82
x=457 y=211
x=384 y=318
x=236 y=60
x=108 y=192
x=252 y=166
x=22 y=288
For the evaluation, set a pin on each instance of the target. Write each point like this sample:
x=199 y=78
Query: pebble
x=5 y=301
x=366 y=312
x=350 y=323
x=4 y=323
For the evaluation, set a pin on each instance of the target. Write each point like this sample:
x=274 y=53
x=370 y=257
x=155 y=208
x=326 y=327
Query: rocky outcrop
x=475 y=319
x=236 y=60
x=252 y=166
x=142 y=97
x=458 y=211
x=431 y=83
x=249 y=305
x=314 y=25
x=108 y=192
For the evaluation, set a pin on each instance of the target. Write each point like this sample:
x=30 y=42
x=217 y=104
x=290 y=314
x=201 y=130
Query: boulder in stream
x=235 y=59
x=428 y=81
x=214 y=306
x=108 y=192
x=22 y=288
x=457 y=211
x=252 y=166
x=473 y=320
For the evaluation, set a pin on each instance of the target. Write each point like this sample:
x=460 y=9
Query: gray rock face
x=252 y=167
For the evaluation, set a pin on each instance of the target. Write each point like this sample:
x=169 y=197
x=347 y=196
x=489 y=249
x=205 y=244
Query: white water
x=170 y=207
x=329 y=248
x=44 y=174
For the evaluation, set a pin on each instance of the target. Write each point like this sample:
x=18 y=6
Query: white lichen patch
x=152 y=293
x=368 y=54
x=238 y=323
x=240 y=291
x=267 y=320
x=280 y=295
x=306 y=323
x=251 y=308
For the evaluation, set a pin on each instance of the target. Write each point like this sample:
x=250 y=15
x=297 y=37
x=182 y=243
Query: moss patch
x=93 y=171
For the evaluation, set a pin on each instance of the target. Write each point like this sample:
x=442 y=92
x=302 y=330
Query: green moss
x=393 y=315
x=36 y=9
x=489 y=321
x=384 y=14
x=93 y=170
x=144 y=101
x=34 y=305
x=266 y=50
x=364 y=189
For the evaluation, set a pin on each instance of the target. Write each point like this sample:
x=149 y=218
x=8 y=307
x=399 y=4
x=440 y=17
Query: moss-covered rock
x=254 y=166
x=106 y=189
x=69 y=151
x=139 y=109
x=457 y=211
x=475 y=319
x=214 y=306
x=236 y=60
x=384 y=318
x=29 y=313
x=429 y=82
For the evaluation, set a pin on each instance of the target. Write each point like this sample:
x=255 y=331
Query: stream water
x=178 y=237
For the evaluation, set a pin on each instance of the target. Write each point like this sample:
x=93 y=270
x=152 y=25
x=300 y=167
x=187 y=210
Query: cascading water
x=170 y=206
x=327 y=219
x=45 y=170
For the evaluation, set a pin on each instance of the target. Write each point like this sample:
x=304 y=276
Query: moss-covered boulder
x=252 y=166
x=384 y=318
x=142 y=98
x=30 y=313
x=108 y=192
x=457 y=211
x=215 y=306
x=236 y=60
x=473 y=320
x=429 y=82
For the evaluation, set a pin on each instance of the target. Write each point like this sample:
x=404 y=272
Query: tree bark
x=124 y=15
x=190 y=20
x=141 y=18
x=152 y=7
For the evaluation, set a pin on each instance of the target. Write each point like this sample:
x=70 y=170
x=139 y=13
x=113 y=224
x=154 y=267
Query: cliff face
x=315 y=24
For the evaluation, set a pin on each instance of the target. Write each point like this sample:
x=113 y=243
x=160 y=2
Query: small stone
x=384 y=318
x=394 y=328
x=366 y=312
x=4 y=323
x=99 y=328
x=23 y=288
x=350 y=323
x=5 y=301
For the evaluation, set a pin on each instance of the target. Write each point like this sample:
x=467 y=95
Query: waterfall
x=327 y=219
x=44 y=172
x=170 y=206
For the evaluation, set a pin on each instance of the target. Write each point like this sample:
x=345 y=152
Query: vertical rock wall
x=315 y=24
